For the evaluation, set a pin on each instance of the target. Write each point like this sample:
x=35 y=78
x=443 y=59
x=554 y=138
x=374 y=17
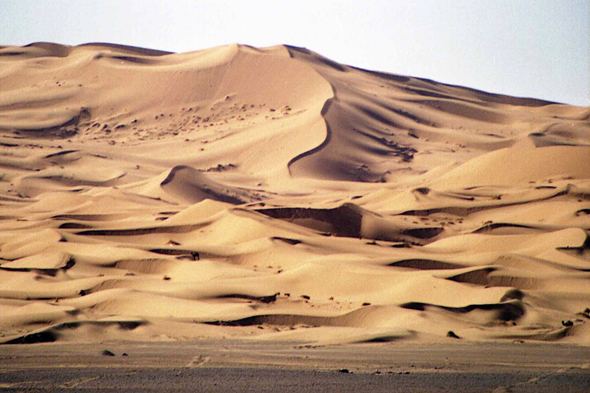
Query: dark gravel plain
x=242 y=366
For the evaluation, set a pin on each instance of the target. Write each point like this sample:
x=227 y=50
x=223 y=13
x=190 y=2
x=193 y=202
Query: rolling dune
x=275 y=194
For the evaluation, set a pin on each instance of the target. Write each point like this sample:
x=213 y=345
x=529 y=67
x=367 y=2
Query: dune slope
x=276 y=194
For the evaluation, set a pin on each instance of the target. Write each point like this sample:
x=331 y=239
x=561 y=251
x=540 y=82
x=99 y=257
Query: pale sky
x=527 y=48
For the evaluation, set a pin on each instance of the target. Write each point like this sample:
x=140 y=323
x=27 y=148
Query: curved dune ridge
x=275 y=194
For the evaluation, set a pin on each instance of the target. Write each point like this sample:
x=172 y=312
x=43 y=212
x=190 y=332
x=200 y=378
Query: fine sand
x=275 y=195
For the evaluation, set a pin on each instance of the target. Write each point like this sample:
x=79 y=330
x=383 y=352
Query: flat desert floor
x=239 y=366
x=273 y=195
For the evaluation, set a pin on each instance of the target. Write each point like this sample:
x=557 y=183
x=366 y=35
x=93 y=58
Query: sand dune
x=275 y=194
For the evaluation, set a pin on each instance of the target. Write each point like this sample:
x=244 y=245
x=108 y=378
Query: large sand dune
x=275 y=194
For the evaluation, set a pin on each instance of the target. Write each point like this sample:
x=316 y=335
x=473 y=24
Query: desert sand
x=273 y=194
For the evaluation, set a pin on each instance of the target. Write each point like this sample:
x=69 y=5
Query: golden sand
x=274 y=194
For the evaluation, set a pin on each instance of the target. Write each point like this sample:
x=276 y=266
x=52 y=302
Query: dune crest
x=273 y=193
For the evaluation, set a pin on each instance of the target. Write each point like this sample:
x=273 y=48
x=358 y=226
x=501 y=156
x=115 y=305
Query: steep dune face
x=275 y=194
x=382 y=127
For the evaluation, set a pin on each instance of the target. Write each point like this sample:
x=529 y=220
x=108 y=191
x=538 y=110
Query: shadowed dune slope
x=275 y=194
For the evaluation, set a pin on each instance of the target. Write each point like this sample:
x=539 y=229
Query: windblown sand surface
x=275 y=194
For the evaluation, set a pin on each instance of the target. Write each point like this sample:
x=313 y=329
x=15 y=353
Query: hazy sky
x=532 y=48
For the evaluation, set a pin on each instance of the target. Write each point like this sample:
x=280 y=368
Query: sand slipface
x=274 y=194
